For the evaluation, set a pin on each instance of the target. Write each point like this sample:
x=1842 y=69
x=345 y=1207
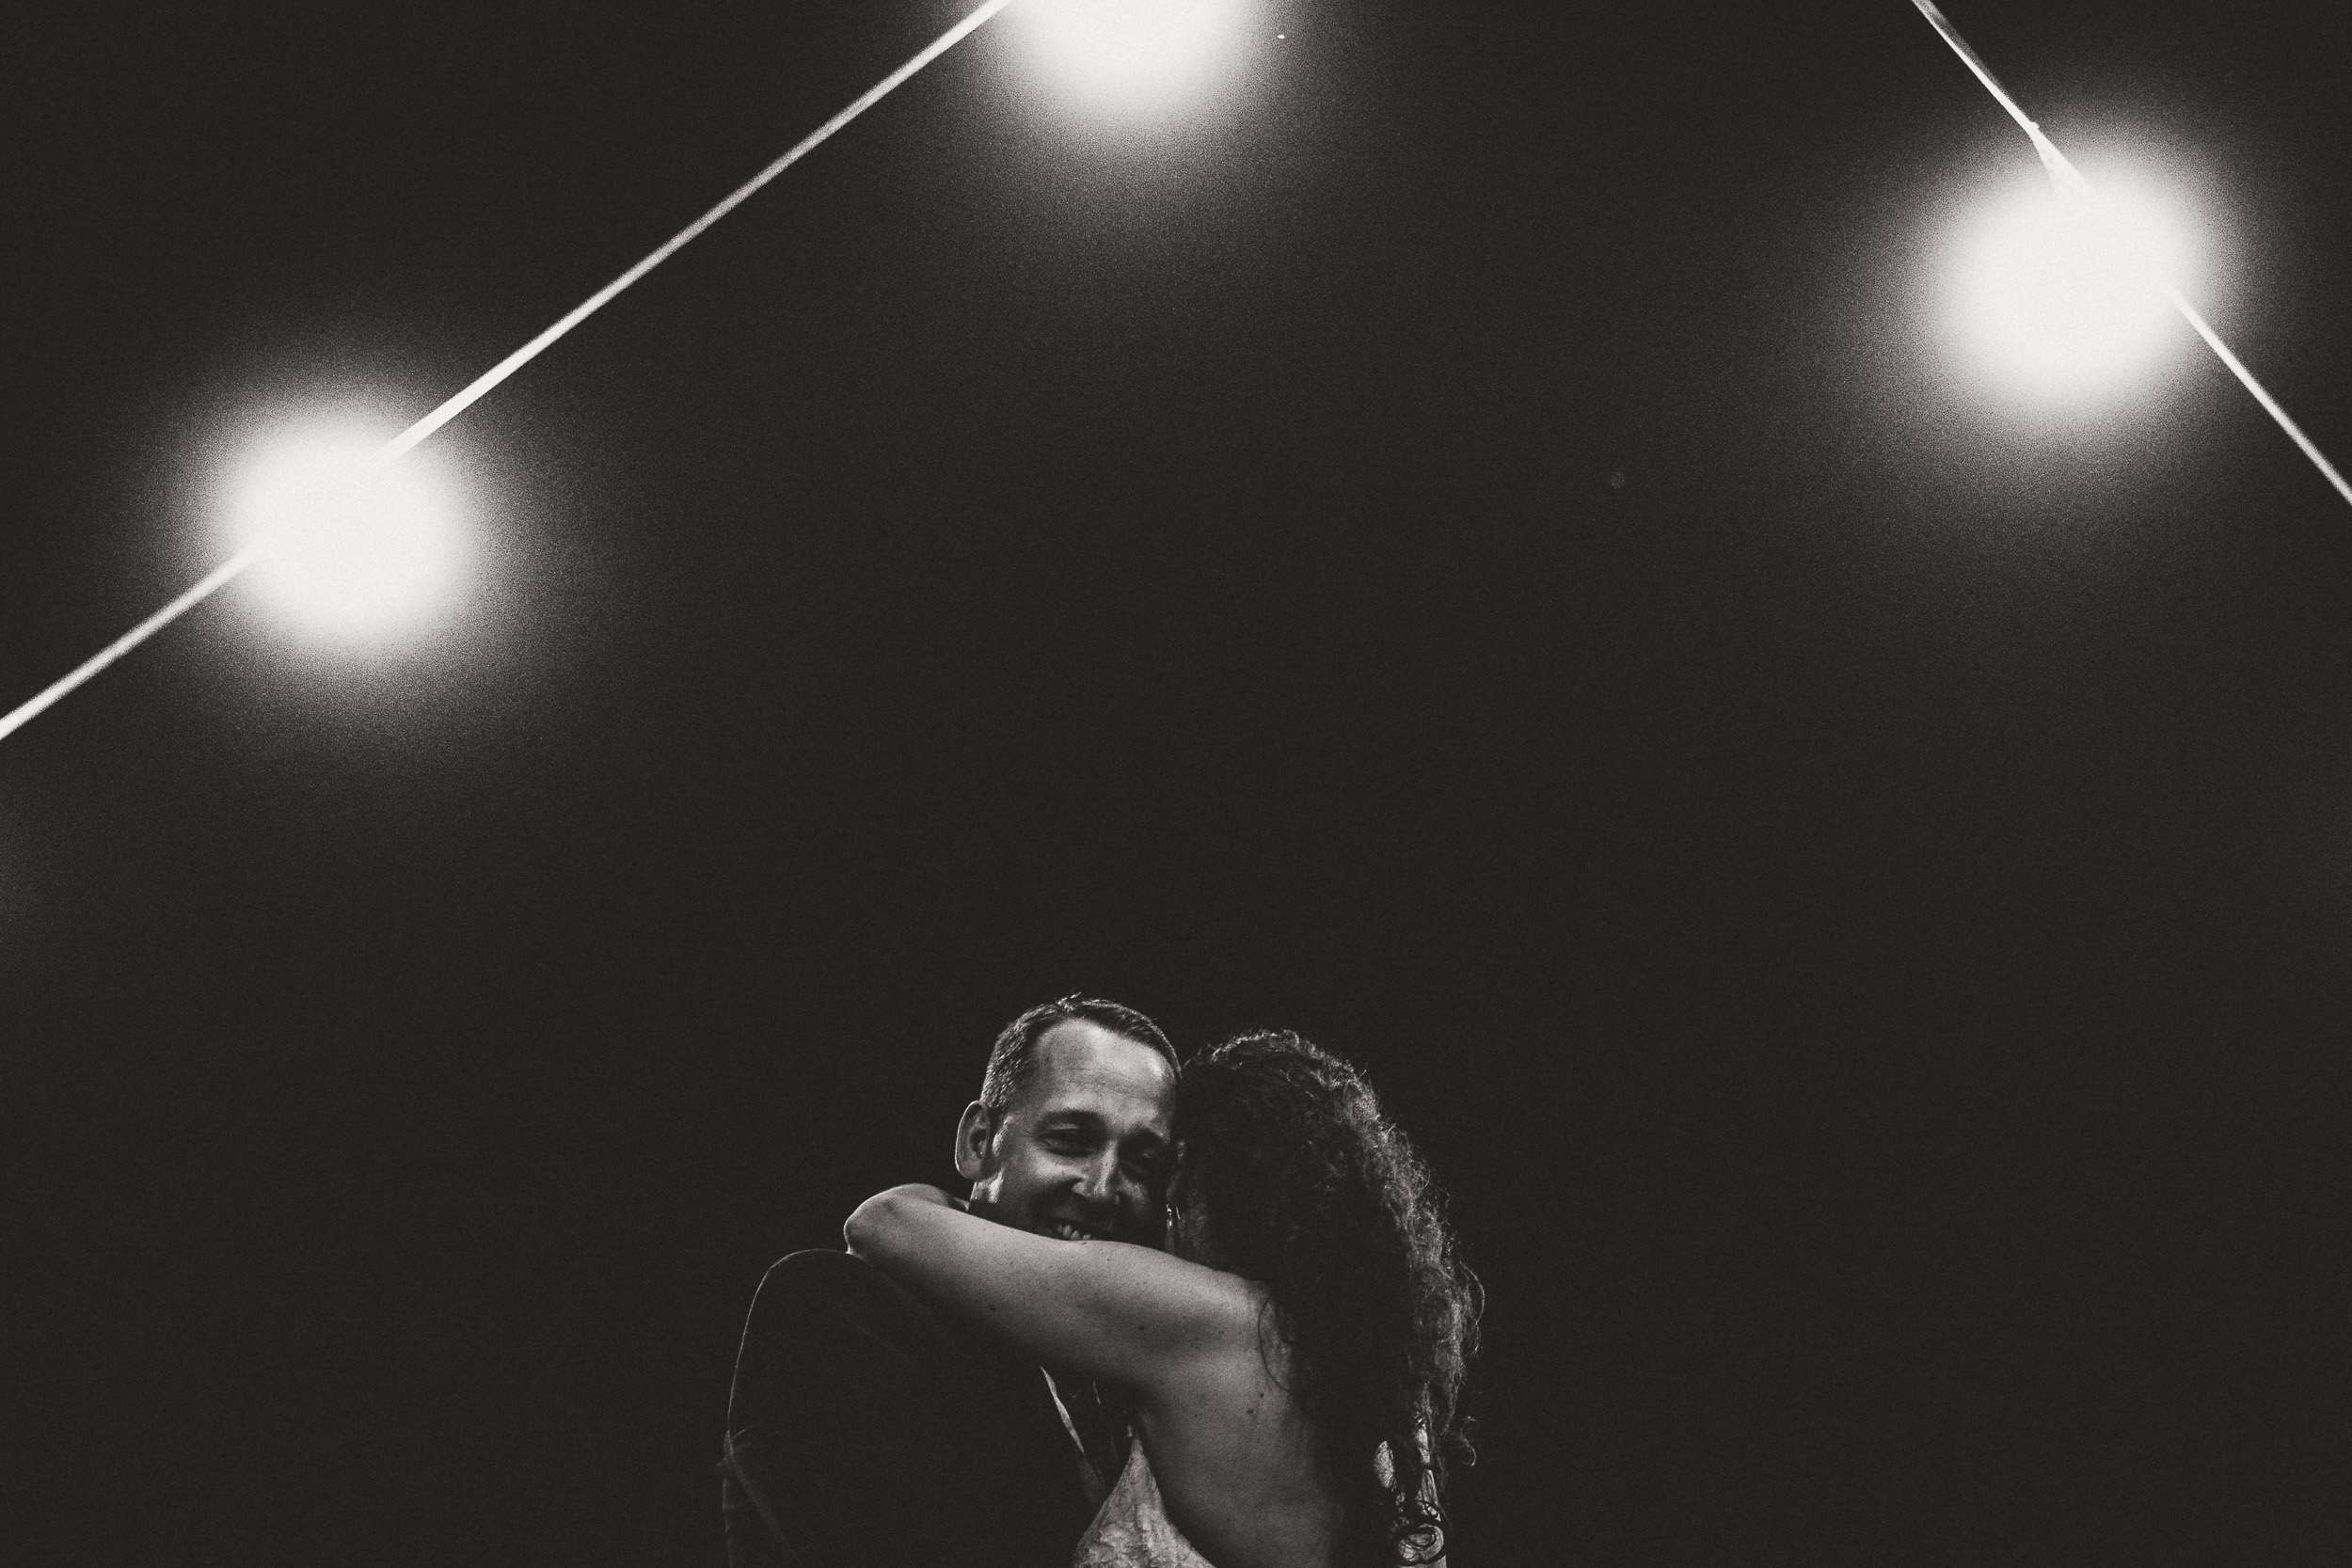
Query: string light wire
x=2060 y=169
x=2070 y=179
x=407 y=440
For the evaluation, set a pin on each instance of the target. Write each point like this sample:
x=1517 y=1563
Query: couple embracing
x=1200 y=1318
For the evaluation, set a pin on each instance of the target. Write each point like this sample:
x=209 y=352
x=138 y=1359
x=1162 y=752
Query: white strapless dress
x=1132 y=1528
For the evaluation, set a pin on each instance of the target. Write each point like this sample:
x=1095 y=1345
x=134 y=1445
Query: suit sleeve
x=844 y=1425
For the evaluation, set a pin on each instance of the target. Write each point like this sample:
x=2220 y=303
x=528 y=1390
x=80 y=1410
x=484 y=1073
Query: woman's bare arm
x=1128 y=1314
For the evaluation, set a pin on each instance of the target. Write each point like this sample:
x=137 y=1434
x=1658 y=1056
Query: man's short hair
x=1012 y=1061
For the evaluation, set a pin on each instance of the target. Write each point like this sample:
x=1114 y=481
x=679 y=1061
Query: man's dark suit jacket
x=862 y=1430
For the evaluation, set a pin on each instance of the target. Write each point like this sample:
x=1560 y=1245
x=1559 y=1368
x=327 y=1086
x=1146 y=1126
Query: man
x=863 y=1429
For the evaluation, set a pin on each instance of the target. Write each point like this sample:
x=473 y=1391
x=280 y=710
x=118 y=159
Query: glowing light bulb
x=1131 y=59
x=2054 y=295
x=352 y=551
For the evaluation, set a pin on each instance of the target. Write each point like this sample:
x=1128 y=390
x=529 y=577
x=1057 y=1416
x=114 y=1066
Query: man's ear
x=973 y=1134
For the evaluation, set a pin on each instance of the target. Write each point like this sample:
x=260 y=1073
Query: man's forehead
x=1083 y=1066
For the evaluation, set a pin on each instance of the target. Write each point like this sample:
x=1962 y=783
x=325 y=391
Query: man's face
x=1084 y=1149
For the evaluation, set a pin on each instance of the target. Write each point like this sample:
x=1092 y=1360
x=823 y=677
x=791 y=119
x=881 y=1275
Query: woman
x=1295 y=1361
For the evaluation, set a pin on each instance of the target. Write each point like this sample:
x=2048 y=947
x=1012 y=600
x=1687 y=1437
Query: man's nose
x=1099 y=1182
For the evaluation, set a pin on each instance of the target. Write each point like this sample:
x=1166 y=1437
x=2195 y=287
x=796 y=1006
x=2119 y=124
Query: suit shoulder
x=820 y=1286
x=820 y=1273
x=812 y=1268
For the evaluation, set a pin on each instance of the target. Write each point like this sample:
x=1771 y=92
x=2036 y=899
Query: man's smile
x=1070 y=1230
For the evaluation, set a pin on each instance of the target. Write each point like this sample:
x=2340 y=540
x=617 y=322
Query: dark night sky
x=1856 y=912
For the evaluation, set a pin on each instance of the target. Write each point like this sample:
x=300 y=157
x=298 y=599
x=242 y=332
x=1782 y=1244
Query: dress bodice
x=1133 y=1529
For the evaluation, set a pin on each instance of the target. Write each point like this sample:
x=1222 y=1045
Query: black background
x=1856 y=912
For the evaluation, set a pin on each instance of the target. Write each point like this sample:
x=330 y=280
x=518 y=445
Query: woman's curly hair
x=1304 y=1186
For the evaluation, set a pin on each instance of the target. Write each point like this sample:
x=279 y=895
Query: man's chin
x=1063 y=1230
x=1060 y=1228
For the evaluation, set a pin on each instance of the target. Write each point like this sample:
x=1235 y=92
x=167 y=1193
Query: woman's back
x=1235 y=1463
